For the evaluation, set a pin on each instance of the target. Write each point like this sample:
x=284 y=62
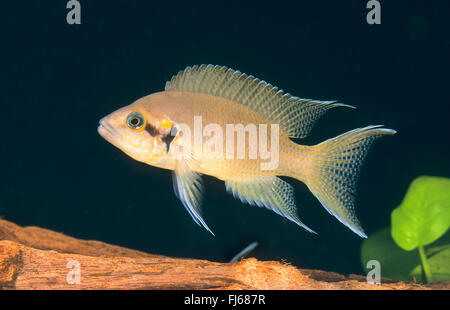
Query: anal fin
x=269 y=192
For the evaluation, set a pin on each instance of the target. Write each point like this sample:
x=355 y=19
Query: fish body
x=222 y=112
x=216 y=121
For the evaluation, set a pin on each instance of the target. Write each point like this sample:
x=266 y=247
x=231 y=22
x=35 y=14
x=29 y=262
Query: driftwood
x=36 y=258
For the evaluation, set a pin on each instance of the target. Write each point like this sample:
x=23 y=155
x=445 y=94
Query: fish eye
x=135 y=120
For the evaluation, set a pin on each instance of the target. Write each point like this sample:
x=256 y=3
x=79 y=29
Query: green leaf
x=399 y=264
x=439 y=266
x=424 y=214
x=395 y=263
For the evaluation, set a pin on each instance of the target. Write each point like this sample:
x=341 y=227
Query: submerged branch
x=36 y=258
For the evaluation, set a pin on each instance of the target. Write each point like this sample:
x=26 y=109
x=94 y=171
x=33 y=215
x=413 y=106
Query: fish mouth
x=106 y=131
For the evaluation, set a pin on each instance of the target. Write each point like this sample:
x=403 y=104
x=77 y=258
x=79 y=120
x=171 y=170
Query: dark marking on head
x=167 y=139
x=151 y=130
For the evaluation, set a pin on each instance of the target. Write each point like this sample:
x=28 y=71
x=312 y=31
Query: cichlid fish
x=205 y=111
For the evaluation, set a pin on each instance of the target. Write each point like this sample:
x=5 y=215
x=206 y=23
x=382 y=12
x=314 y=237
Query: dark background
x=58 y=80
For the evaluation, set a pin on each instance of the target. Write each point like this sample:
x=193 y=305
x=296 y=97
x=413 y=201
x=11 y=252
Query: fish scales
x=216 y=110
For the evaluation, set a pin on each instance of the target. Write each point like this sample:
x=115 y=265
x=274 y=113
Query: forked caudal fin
x=335 y=169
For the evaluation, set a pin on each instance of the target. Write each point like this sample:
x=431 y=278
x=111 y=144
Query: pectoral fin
x=270 y=192
x=188 y=187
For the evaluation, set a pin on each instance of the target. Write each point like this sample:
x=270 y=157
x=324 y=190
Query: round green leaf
x=403 y=265
x=424 y=214
x=395 y=263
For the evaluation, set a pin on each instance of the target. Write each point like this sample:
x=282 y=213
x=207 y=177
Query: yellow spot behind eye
x=164 y=125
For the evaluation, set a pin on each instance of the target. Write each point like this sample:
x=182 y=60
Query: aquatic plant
x=422 y=219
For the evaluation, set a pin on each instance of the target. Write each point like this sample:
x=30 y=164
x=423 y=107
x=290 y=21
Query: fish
x=216 y=121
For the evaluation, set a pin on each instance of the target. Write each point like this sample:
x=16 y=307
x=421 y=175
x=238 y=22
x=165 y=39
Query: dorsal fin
x=296 y=116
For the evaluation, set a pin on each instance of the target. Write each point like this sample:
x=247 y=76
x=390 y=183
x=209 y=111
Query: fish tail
x=334 y=168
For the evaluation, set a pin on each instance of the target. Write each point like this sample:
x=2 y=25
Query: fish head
x=133 y=130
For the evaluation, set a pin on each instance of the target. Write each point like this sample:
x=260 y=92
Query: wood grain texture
x=36 y=258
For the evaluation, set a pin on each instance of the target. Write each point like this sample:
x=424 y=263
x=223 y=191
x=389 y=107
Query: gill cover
x=162 y=131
